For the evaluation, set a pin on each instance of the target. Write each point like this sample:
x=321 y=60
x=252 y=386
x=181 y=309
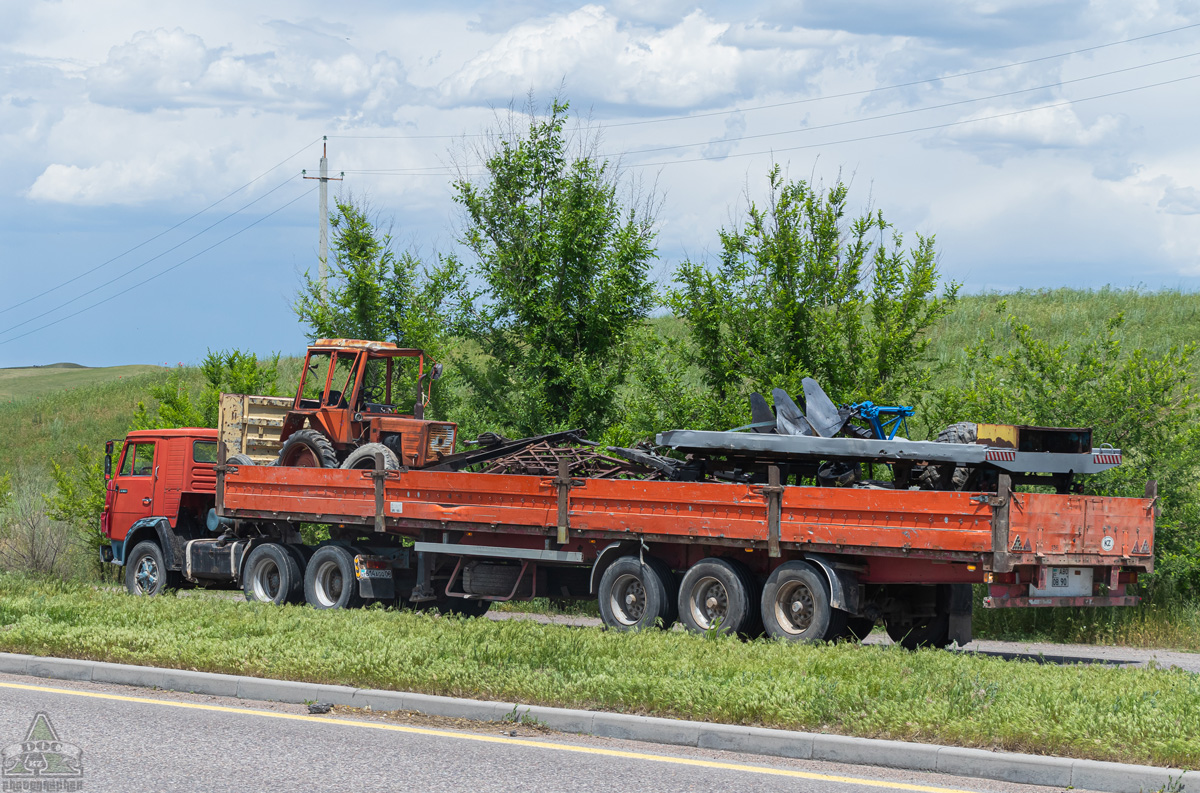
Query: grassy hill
x=30 y=382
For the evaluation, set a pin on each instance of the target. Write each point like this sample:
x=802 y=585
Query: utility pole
x=323 y=249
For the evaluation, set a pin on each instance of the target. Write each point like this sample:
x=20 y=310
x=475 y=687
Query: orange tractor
x=345 y=410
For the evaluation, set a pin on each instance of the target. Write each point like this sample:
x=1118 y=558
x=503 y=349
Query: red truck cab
x=162 y=477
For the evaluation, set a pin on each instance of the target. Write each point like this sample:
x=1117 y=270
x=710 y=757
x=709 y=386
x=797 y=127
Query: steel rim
x=146 y=575
x=628 y=599
x=303 y=457
x=266 y=581
x=795 y=607
x=328 y=583
x=709 y=602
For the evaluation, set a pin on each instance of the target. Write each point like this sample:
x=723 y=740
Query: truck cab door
x=133 y=485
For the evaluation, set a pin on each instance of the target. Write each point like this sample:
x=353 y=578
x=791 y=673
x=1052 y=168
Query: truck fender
x=152 y=529
x=606 y=557
x=843 y=584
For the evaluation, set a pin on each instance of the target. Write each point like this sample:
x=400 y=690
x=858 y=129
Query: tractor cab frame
x=347 y=393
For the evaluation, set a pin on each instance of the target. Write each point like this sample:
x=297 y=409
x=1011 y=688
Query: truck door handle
x=146 y=502
x=122 y=490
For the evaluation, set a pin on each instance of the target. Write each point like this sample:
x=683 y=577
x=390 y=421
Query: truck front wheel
x=329 y=580
x=272 y=575
x=146 y=570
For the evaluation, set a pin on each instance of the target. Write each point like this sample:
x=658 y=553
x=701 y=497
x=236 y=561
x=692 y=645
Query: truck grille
x=441 y=441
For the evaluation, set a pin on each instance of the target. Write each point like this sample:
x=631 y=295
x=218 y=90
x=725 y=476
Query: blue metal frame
x=885 y=420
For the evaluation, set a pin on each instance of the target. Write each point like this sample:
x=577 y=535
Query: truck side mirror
x=436 y=374
x=108 y=450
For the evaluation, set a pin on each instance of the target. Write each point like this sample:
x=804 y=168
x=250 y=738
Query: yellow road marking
x=686 y=761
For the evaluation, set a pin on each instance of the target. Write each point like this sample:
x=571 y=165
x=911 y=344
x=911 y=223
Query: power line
x=794 y=102
x=160 y=234
x=135 y=268
x=164 y=272
x=921 y=129
x=911 y=110
x=446 y=172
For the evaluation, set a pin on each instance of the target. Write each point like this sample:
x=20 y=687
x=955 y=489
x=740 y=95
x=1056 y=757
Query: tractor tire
x=307 y=449
x=931 y=478
x=363 y=458
x=239 y=459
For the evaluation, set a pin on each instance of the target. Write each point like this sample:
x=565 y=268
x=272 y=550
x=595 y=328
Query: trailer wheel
x=307 y=449
x=912 y=631
x=146 y=570
x=363 y=458
x=795 y=605
x=714 y=595
x=858 y=628
x=329 y=580
x=633 y=595
x=272 y=575
x=463 y=607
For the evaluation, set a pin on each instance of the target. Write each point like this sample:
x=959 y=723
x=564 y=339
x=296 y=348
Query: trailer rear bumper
x=1032 y=602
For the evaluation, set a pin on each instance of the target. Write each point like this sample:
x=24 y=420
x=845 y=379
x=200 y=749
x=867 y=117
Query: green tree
x=375 y=294
x=1143 y=404
x=78 y=499
x=563 y=262
x=228 y=372
x=801 y=291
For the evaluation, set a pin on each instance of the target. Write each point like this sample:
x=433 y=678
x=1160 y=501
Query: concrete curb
x=1009 y=767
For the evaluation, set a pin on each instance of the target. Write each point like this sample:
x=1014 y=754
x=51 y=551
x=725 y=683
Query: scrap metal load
x=825 y=444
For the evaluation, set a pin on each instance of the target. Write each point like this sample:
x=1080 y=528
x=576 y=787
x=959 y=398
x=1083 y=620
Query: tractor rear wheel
x=363 y=458
x=307 y=449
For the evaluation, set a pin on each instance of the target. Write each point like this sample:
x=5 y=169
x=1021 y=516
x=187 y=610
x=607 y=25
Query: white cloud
x=1180 y=201
x=174 y=69
x=1048 y=127
x=602 y=58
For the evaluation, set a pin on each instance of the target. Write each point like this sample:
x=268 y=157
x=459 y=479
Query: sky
x=153 y=206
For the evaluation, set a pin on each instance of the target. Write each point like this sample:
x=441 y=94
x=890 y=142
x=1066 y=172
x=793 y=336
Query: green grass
x=31 y=382
x=1129 y=715
x=1174 y=626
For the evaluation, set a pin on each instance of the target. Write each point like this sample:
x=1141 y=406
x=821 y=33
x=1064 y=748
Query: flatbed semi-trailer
x=798 y=562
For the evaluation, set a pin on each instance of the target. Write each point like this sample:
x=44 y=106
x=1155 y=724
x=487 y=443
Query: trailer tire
x=363 y=458
x=714 y=595
x=329 y=580
x=858 y=628
x=462 y=607
x=146 y=570
x=913 y=632
x=307 y=449
x=635 y=596
x=795 y=605
x=239 y=459
x=272 y=575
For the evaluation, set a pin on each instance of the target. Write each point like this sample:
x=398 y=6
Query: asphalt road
x=137 y=740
